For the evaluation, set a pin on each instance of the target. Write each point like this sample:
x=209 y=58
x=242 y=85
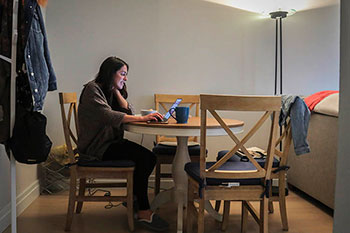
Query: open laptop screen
x=171 y=109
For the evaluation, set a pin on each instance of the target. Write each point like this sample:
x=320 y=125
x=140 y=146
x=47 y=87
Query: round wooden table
x=182 y=132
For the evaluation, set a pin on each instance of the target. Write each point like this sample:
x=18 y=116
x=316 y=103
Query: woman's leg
x=144 y=161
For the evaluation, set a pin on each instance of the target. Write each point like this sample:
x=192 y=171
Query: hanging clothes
x=293 y=106
x=35 y=76
x=5 y=68
x=33 y=64
x=36 y=55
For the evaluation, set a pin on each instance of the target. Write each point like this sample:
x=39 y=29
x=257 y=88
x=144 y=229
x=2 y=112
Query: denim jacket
x=40 y=72
x=299 y=113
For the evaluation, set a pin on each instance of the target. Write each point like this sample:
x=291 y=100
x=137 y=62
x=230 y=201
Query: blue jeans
x=299 y=113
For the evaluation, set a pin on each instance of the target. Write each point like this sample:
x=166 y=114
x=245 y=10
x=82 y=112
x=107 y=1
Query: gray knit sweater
x=99 y=124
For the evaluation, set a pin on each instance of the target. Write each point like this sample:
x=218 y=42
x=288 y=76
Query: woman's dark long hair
x=106 y=74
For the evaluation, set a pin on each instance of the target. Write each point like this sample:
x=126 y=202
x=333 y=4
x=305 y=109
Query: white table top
x=192 y=128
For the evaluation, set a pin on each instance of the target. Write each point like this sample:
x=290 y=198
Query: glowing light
x=264 y=7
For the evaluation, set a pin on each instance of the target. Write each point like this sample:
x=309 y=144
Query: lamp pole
x=278 y=16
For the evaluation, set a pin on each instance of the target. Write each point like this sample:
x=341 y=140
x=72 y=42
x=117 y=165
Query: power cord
x=107 y=194
x=92 y=192
x=110 y=205
x=141 y=139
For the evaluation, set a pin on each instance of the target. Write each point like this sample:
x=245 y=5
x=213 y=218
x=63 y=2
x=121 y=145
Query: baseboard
x=24 y=199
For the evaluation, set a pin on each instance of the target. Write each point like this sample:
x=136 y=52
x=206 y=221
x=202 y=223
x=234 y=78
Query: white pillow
x=329 y=105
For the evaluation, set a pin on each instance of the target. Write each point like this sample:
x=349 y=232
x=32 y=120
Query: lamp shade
x=278 y=14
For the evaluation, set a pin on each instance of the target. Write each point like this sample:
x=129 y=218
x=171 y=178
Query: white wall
x=342 y=202
x=5 y=179
x=188 y=47
x=27 y=187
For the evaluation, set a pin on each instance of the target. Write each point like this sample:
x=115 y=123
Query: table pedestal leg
x=209 y=208
x=180 y=178
x=162 y=198
x=179 y=192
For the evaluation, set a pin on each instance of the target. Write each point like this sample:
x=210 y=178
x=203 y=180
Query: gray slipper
x=156 y=223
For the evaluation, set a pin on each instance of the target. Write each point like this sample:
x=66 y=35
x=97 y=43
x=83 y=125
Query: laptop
x=168 y=114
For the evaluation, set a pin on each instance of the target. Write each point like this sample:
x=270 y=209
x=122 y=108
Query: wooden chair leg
x=82 y=185
x=130 y=201
x=190 y=208
x=283 y=212
x=282 y=203
x=244 y=217
x=264 y=215
x=271 y=207
x=226 y=215
x=190 y=213
x=201 y=215
x=71 y=203
x=217 y=205
x=157 y=179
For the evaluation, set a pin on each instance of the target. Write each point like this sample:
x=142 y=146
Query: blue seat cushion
x=192 y=169
x=238 y=158
x=111 y=163
x=171 y=150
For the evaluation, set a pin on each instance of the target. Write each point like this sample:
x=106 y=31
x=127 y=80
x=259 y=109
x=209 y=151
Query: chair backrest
x=70 y=134
x=162 y=101
x=269 y=105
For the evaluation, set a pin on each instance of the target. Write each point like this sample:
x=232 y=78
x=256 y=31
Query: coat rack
x=12 y=60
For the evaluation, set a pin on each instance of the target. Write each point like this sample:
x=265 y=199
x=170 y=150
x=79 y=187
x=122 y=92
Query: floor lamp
x=278 y=16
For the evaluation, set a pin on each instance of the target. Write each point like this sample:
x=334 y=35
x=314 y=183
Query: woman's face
x=120 y=77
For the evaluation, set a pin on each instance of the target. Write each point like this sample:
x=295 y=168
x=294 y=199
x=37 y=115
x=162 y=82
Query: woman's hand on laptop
x=155 y=116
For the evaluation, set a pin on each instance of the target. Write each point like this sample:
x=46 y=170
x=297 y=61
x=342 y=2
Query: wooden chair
x=96 y=169
x=247 y=181
x=279 y=172
x=165 y=153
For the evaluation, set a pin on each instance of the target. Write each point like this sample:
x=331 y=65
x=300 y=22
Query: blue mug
x=181 y=114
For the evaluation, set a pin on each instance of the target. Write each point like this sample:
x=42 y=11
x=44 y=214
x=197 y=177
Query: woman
x=103 y=109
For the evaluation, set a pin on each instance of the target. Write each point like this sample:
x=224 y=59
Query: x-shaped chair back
x=282 y=150
x=270 y=105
